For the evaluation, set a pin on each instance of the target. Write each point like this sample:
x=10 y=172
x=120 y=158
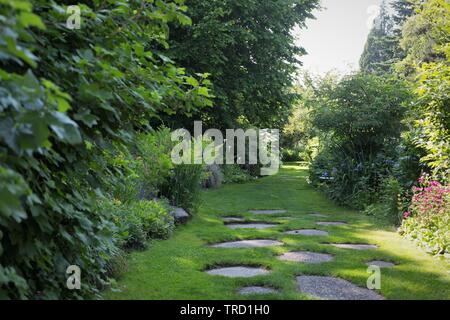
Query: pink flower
x=406 y=214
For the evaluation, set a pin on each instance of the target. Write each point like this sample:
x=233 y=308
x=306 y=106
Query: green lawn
x=173 y=269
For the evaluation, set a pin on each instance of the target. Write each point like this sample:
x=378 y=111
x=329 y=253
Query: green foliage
x=426 y=38
x=382 y=45
x=297 y=133
x=153 y=156
x=252 y=56
x=359 y=120
x=52 y=144
x=234 y=174
x=184 y=185
x=427 y=220
x=139 y=221
x=389 y=206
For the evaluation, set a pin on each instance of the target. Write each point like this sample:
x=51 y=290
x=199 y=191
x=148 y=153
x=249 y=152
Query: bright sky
x=336 y=38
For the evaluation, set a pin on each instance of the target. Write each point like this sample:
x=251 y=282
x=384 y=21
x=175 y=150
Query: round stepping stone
x=250 y=225
x=267 y=211
x=238 y=272
x=381 y=264
x=233 y=219
x=308 y=232
x=334 y=289
x=331 y=223
x=256 y=290
x=306 y=257
x=257 y=243
x=354 y=246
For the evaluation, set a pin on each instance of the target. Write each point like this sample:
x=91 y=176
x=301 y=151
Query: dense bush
x=184 y=185
x=428 y=219
x=139 y=221
x=52 y=143
x=234 y=174
x=154 y=162
x=388 y=204
x=360 y=122
x=290 y=155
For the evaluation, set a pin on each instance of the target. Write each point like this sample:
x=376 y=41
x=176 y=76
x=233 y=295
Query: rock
x=238 y=272
x=306 y=257
x=334 y=289
x=180 y=215
x=255 y=225
x=331 y=223
x=257 y=243
x=307 y=232
x=233 y=219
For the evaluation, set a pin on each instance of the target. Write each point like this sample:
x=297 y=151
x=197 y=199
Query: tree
x=426 y=40
x=250 y=51
x=382 y=49
x=403 y=9
x=359 y=121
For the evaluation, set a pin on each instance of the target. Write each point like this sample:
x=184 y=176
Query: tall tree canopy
x=382 y=47
x=250 y=50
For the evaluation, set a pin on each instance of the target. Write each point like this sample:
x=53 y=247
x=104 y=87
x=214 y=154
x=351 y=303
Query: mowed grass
x=174 y=268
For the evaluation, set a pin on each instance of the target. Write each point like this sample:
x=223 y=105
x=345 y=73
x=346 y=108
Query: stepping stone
x=354 y=246
x=256 y=290
x=257 y=243
x=250 y=225
x=334 y=289
x=267 y=211
x=306 y=257
x=233 y=219
x=308 y=232
x=331 y=223
x=381 y=264
x=238 y=272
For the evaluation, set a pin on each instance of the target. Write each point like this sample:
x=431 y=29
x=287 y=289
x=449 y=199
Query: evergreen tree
x=381 y=46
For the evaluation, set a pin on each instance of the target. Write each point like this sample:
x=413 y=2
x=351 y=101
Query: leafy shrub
x=389 y=204
x=184 y=186
x=122 y=172
x=139 y=221
x=291 y=155
x=234 y=174
x=360 y=121
x=65 y=94
x=428 y=219
x=155 y=164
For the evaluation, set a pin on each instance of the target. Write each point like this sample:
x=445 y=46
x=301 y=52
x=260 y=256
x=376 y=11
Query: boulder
x=180 y=215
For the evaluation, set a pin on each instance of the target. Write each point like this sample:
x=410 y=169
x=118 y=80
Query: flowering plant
x=427 y=220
